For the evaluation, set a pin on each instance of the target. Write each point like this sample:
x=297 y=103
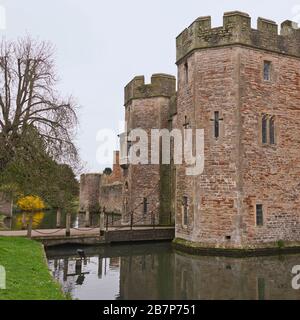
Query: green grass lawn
x=27 y=275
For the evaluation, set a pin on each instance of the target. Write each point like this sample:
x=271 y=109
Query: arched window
x=268 y=129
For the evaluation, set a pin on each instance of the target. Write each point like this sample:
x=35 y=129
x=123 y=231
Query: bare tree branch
x=29 y=99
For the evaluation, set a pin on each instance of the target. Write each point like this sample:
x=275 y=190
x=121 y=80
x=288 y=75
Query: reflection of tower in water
x=219 y=278
x=146 y=277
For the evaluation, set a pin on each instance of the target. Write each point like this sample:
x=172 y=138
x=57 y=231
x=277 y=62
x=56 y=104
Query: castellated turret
x=145 y=185
x=242 y=86
x=162 y=85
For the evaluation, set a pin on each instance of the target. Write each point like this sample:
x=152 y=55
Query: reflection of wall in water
x=147 y=277
x=228 y=278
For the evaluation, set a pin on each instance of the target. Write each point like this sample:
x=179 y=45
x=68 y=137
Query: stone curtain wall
x=111 y=188
x=96 y=193
x=5 y=204
x=101 y=190
x=111 y=197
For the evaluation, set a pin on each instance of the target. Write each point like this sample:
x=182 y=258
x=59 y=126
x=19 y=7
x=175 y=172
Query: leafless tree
x=30 y=101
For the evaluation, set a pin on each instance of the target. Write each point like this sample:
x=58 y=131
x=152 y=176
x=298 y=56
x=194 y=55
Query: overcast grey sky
x=102 y=45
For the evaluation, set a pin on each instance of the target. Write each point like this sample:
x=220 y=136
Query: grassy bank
x=27 y=275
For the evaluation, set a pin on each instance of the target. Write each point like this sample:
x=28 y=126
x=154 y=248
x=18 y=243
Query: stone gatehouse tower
x=147 y=186
x=241 y=85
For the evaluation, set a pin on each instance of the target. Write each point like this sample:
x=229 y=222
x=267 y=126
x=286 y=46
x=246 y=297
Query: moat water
x=155 y=271
x=47 y=220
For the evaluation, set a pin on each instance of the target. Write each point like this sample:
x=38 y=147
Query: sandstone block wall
x=225 y=69
x=270 y=173
x=111 y=188
x=147 y=107
x=89 y=192
x=213 y=196
x=110 y=197
x=101 y=190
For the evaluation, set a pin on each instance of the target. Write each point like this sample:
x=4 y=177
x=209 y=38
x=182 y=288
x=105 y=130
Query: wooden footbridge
x=89 y=236
x=103 y=234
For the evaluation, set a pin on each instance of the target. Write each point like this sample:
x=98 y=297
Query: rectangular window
x=267 y=70
x=259 y=215
x=185 y=210
x=272 y=130
x=145 y=205
x=264 y=129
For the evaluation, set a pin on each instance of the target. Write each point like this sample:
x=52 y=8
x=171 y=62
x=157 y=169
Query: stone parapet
x=237 y=29
x=163 y=85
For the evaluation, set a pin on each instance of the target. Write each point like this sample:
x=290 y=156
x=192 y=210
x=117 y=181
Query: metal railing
x=109 y=220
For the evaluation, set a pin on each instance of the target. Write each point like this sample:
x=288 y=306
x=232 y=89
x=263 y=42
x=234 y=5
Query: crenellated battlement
x=237 y=29
x=161 y=85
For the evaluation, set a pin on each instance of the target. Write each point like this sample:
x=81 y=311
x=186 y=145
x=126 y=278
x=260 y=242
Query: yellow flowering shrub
x=31 y=203
x=23 y=219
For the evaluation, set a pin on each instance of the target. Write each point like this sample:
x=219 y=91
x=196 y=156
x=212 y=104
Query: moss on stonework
x=196 y=248
x=280 y=244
